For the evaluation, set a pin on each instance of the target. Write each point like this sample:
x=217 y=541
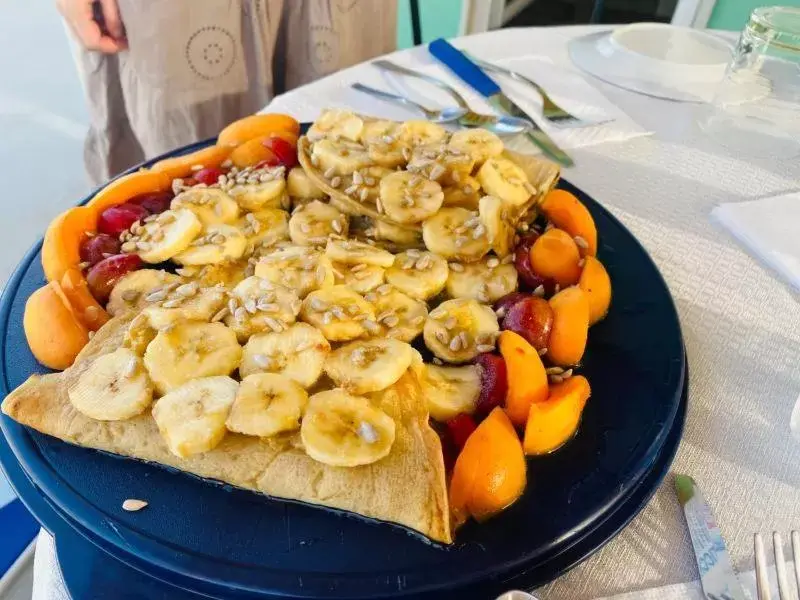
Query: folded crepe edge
x=408 y=487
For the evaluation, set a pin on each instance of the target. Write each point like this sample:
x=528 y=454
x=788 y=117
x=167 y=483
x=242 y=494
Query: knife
x=717 y=576
x=473 y=75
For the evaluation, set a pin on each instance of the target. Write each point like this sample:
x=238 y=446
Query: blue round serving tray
x=226 y=542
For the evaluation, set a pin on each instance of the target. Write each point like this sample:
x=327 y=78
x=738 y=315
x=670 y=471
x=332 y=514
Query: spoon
x=446 y=115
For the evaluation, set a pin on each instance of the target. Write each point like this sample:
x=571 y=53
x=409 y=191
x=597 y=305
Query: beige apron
x=195 y=65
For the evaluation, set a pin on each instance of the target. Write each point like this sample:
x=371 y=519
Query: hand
x=79 y=16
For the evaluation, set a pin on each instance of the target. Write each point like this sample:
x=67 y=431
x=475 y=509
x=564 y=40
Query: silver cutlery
x=502 y=125
x=762 y=579
x=551 y=111
x=446 y=115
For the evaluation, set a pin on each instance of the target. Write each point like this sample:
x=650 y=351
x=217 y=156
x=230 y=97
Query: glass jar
x=756 y=108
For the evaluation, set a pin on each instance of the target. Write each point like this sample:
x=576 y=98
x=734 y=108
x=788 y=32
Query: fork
x=551 y=111
x=762 y=579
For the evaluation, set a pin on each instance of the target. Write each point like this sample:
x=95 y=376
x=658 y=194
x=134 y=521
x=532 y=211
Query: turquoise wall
x=733 y=14
x=439 y=18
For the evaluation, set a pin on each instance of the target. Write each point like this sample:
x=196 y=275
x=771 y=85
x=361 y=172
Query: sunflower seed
x=369 y=181
x=455 y=344
x=220 y=314
x=391 y=321
x=478 y=231
x=556 y=378
x=187 y=289
x=554 y=370
x=233 y=304
x=581 y=242
x=329 y=172
x=132 y=505
x=424 y=263
x=128 y=247
x=156 y=296
x=337 y=226
x=450 y=322
x=492 y=262
x=144 y=246
x=539 y=291
x=303 y=346
x=443 y=336
x=318 y=304
x=384 y=314
x=507 y=260
x=240 y=314
x=263 y=361
x=338 y=312
x=351 y=190
x=327 y=318
x=250 y=306
x=464 y=339
x=556 y=288
x=460 y=241
x=567 y=374
x=130 y=295
x=542 y=351
x=275 y=324
x=582 y=263
x=315 y=161
x=529 y=188
x=336 y=182
x=371 y=326
x=371 y=297
x=456 y=267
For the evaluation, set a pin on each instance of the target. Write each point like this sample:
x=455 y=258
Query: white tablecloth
x=740 y=324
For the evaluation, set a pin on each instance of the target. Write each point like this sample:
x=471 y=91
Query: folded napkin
x=565 y=85
x=769 y=229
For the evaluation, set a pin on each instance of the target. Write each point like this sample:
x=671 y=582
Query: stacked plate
x=198 y=539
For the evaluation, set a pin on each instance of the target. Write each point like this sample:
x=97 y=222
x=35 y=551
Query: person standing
x=160 y=74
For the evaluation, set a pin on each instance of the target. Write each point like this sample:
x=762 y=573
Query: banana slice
x=186 y=302
x=226 y=274
x=420 y=275
x=368 y=366
x=364 y=185
x=456 y=233
x=449 y=391
x=190 y=350
x=409 y=198
x=359 y=278
x=336 y=123
x=191 y=418
x=456 y=330
x=257 y=305
x=486 y=281
x=310 y=225
x=342 y=430
x=114 y=387
x=382 y=145
x=217 y=243
x=480 y=144
x=499 y=229
x=299 y=268
x=440 y=163
x=169 y=234
x=264 y=228
x=297 y=353
x=352 y=252
x=130 y=291
x=299 y=185
x=397 y=235
x=267 y=404
x=466 y=194
x=211 y=205
x=502 y=178
x=339 y=313
x=416 y=133
x=270 y=193
x=139 y=334
x=399 y=316
x=337 y=158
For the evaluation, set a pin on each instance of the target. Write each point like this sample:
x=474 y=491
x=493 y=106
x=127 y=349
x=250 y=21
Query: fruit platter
x=402 y=324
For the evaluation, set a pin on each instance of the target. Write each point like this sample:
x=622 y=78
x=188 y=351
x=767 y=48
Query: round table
x=741 y=325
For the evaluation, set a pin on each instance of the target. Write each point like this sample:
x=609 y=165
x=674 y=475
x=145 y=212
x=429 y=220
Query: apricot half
x=596 y=284
x=566 y=212
x=54 y=333
x=527 y=378
x=62 y=240
x=490 y=472
x=128 y=186
x=570 y=329
x=183 y=166
x=255 y=126
x=553 y=422
x=555 y=255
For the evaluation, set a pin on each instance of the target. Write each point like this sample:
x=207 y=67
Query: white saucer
x=655 y=59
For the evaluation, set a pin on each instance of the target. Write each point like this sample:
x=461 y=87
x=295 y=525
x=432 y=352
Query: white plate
x=655 y=59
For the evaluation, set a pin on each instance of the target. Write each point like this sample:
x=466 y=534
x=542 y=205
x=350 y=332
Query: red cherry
x=154 y=202
x=98 y=247
x=449 y=450
x=507 y=301
x=460 y=428
x=285 y=153
x=102 y=277
x=209 y=175
x=522 y=261
x=494 y=382
x=532 y=318
x=116 y=219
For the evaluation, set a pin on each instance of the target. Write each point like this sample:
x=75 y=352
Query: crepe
x=406 y=487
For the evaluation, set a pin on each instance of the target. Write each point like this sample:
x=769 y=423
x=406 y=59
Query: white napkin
x=565 y=85
x=769 y=229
